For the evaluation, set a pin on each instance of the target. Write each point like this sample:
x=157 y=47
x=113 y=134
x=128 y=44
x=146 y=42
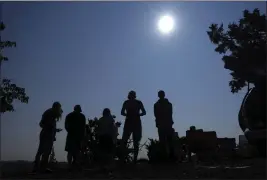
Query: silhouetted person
x=47 y=136
x=192 y=128
x=75 y=126
x=164 y=122
x=131 y=109
x=105 y=131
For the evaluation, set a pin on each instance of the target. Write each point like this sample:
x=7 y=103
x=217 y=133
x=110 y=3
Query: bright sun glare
x=166 y=24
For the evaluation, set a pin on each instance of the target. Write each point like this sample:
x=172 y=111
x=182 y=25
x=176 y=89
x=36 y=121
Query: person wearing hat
x=131 y=110
x=75 y=126
x=47 y=136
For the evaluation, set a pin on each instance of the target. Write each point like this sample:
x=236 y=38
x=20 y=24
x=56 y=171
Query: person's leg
x=162 y=141
x=170 y=145
x=40 y=151
x=103 y=145
x=69 y=159
x=108 y=151
x=38 y=156
x=127 y=131
x=78 y=154
x=48 y=144
x=110 y=156
x=137 y=136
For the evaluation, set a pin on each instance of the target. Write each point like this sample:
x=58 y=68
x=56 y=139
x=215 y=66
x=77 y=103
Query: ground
x=248 y=169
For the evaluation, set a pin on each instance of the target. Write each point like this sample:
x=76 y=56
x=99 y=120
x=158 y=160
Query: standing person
x=47 y=136
x=105 y=131
x=75 y=126
x=164 y=123
x=131 y=110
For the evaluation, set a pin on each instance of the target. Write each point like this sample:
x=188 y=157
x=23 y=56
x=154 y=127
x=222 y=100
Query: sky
x=94 y=53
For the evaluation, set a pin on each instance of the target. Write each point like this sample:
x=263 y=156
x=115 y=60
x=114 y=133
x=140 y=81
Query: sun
x=166 y=24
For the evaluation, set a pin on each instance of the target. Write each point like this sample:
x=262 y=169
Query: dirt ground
x=248 y=169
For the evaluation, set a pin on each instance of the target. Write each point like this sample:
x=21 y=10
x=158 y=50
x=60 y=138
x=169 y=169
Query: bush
x=155 y=152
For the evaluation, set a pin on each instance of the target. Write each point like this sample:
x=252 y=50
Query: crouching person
x=105 y=132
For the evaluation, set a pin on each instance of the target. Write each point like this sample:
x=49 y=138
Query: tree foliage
x=8 y=90
x=243 y=46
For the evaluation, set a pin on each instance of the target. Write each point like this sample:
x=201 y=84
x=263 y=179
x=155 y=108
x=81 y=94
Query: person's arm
x=171 y=111
x=142 y=108
x=42 y=122
x=123 y=109
x=83 y=126
x=156 y=114
x=67 y=123
x=45 y=122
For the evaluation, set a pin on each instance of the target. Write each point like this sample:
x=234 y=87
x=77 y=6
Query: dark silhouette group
x=107 y=131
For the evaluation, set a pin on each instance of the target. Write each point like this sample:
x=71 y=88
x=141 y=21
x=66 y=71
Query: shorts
x=132 y=127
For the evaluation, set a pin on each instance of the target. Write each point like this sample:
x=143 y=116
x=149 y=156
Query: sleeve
x=141 y=105
x=155 y=110
x=44 y=123
x=67 y=123
x=83 y=125
x=171 y=110
x=124 y=107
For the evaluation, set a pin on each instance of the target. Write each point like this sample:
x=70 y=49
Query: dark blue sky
x=93 y=53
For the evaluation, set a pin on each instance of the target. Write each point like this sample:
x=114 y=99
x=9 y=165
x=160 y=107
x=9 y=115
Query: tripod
x=52 y=157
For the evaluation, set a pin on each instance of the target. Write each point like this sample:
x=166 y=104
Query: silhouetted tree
x=8 y=90
x=243 y=47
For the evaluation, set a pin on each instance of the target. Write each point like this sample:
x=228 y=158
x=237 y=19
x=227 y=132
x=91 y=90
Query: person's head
x=78 y=108
x=106 y=112
x=132 y=95
x=161 y=94
x=192 y=128
x=57 y=109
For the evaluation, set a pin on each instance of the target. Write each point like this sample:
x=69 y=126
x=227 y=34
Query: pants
x=46 y=142
x=132 y=126
x=166 y=140
x=106 y=144
x=73 y=147
x=106 y=147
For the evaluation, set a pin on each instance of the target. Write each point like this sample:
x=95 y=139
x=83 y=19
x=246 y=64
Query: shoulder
x=125 y=103
x=100 y=119
x=139 y=102
x=48 y=112
x=69 y=115
x=82 y=115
